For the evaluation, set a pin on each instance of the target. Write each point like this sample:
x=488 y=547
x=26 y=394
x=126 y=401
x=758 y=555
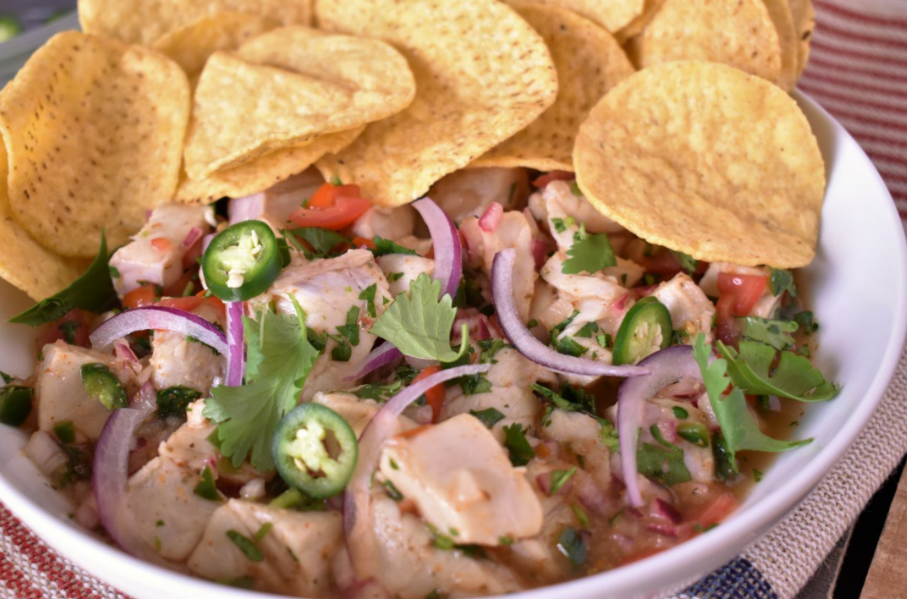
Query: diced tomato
x=332 y=207
x=214 y=302
x=547 y=178
x=141 y=296
x=71 y=328
x=715 y=511
x=178 y=287
x=414 y=431
x=434 y=396
x=161 y=244
x=661 y=262
x=188 y=304
x=745 y=289
x=362 y=243
x=190 y=258
x=726 y=328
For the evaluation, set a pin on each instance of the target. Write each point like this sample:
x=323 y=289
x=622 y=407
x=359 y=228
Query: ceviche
x=411 y=298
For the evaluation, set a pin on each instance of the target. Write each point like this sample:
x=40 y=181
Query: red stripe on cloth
x=42 y=557
x=811 y=89
x=821 y=61
x=827 y=46
x=887 y=22
x=835 y=31
x=16 y=581
x=845 y=76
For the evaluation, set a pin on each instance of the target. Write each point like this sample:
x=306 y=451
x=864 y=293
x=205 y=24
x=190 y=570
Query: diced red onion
x=667 y=366
x=236 y=349
x=539 y=250
x=543 y=480
x=492 y=217
x=620 y=303
x=357 y=498
x=158 y=318
x=644 y=291
x=663 y=509
x=526 y=343
x=479 y=327
x=382 y=355
x=591 y=496
x=192 y=236
x=665 y=530
x=246 y=208
x=124 y=352
x=446 y=241
x=145 y=401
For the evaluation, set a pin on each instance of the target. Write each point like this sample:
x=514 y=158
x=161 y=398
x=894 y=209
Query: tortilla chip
x=780 y=13
x=94 y=129
x=263 y=172
x=740 y=34
x=192 y=45
x=706 y=160
x=482 y=75
x=635 y=27
x=145 y=21
x=804 y=24
x=287 y=87
x=24 y=262
x=613 y=15
x=589 y=62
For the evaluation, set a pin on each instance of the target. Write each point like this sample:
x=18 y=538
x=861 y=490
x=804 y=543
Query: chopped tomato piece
x=141 y=296
x=214 y=302
x=745 y=289
x=71 y=328
x=434 y=396
x=161 y=244
x=190 y=258
x=414 y=431
x=332 y=207
x=362 y=243
x=547 y=178
x=188 y=304
x=715 y=511
x=726 y=328
x=179 y=287
x=661 y=262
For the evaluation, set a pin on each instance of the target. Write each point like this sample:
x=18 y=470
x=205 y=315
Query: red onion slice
x=236 y=350
x=357 y=498
x=526 y=343
x=492 y=217
x=158 y=318
x=382 y=355
x=447 y=246
x=145 y=401
x=667 y=367
x=192 y=236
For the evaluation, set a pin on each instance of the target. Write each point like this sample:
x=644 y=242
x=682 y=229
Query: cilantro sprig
x=589 y=253
x=419 y=324
x=384 y=247
x=795 y=377
x=738 y=426
x=776 y=333
x=279 y=360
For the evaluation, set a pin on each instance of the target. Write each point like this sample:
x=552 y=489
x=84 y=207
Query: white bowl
x=858 y=292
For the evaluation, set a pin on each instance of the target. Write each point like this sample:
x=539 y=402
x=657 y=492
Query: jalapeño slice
x=103 y=385
x=315 y=450
x=645 y=329
x=242 y=261
x=15 y=404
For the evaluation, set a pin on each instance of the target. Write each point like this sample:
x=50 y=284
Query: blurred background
x=25 y=25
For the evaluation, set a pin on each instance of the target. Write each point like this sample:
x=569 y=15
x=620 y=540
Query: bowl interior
x=856 y=287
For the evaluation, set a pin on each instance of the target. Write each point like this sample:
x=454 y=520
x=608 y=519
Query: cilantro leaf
x=280 y=358
x=776 y=333
x=488 y=416
x=608 y=436
x=794 y=377
x=687 y=262
x=321 y=240
x=570 y=398
x=780 y=281
x=383 y=247
x=93 y=292
x=589 y=253
x=419 y=324
x=738 y=426
x=664 y=464
x=378 y=392
x=517 y=445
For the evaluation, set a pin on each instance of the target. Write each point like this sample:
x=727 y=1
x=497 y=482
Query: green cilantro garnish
x=419 y=324
x=65 y=432
x=780 y=281
x=368 y=294
x=474 y=384
x=663 y=463
x=342 y=352
x=93 y=292
x=9 y=28
x=114 y=271
x=351 y=329
x=806 y=321
x=589 y=329
x=562 y=224
x=173 y=401
x=488 y=416
x=581 y=515
x=608 y=436
x=589 y=253
x=392 y=491
x=379 y=393
x=394 y=276
x=383 y=247
x=206 y=489
x=263 y=531
x=794 y=378
x=569 y=398
x=246 y=545
x=569 y=346
x=516 y=443
x=776 y=333
x=336 y=181
x=490 y=348
x=322 y=241
x=440 y=540
x=280 y=357
x=740 y=431
x=559 y=478
x=687 y=262
x=572 y=545
x=6 y=377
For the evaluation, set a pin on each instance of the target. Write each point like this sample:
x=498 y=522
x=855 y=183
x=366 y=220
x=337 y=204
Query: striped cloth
x=858 y=72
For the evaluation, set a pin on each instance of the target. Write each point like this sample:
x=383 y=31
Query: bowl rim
x=749 y=525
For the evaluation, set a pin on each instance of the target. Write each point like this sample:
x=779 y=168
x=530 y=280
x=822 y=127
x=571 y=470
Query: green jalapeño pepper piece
x=102 y=385
x=242 y=261
x=15 y=404
x=315 y=450
x=645 y=329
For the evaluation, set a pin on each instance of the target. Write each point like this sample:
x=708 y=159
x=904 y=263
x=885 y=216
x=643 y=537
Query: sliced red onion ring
x=109 y=478
x=158 y=318
x=192 y=236
x=667 y=366
x=145 y=401
x=446 y=241
x=357 y=498
x=236 y=349
x=492 y=217
x=382 y=355
x=526 y=343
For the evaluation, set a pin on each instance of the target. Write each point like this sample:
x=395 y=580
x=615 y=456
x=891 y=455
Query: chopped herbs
x=780 y=281
x=680 y=413
x=379 y=393
x=65 y=432
x=591 y=254
x=776 y=333
x=351 y=329
x=663 y=463
x=561 y=326
x=589 y=329
x=392 y=491
x=441 y=540
x=474 y=384
x=206 y=489
x=517 y=445
x=6 y=377
x=263 y=532
x=581 y=515
x=694 y=432
x=490 y=348
x=572 y=545
x=569 y=346
x=368 y=294
x=383 y=247
x=562 y=224
x=394 y=276
x=806 y=321
x=246 y=545
x=559 y=478
x=794 y=378
x=687 y=262
x=173 y=401
x=570 y=398
x=608 y=436
x=488 y=416
x=757 y=475
x=69 y=329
